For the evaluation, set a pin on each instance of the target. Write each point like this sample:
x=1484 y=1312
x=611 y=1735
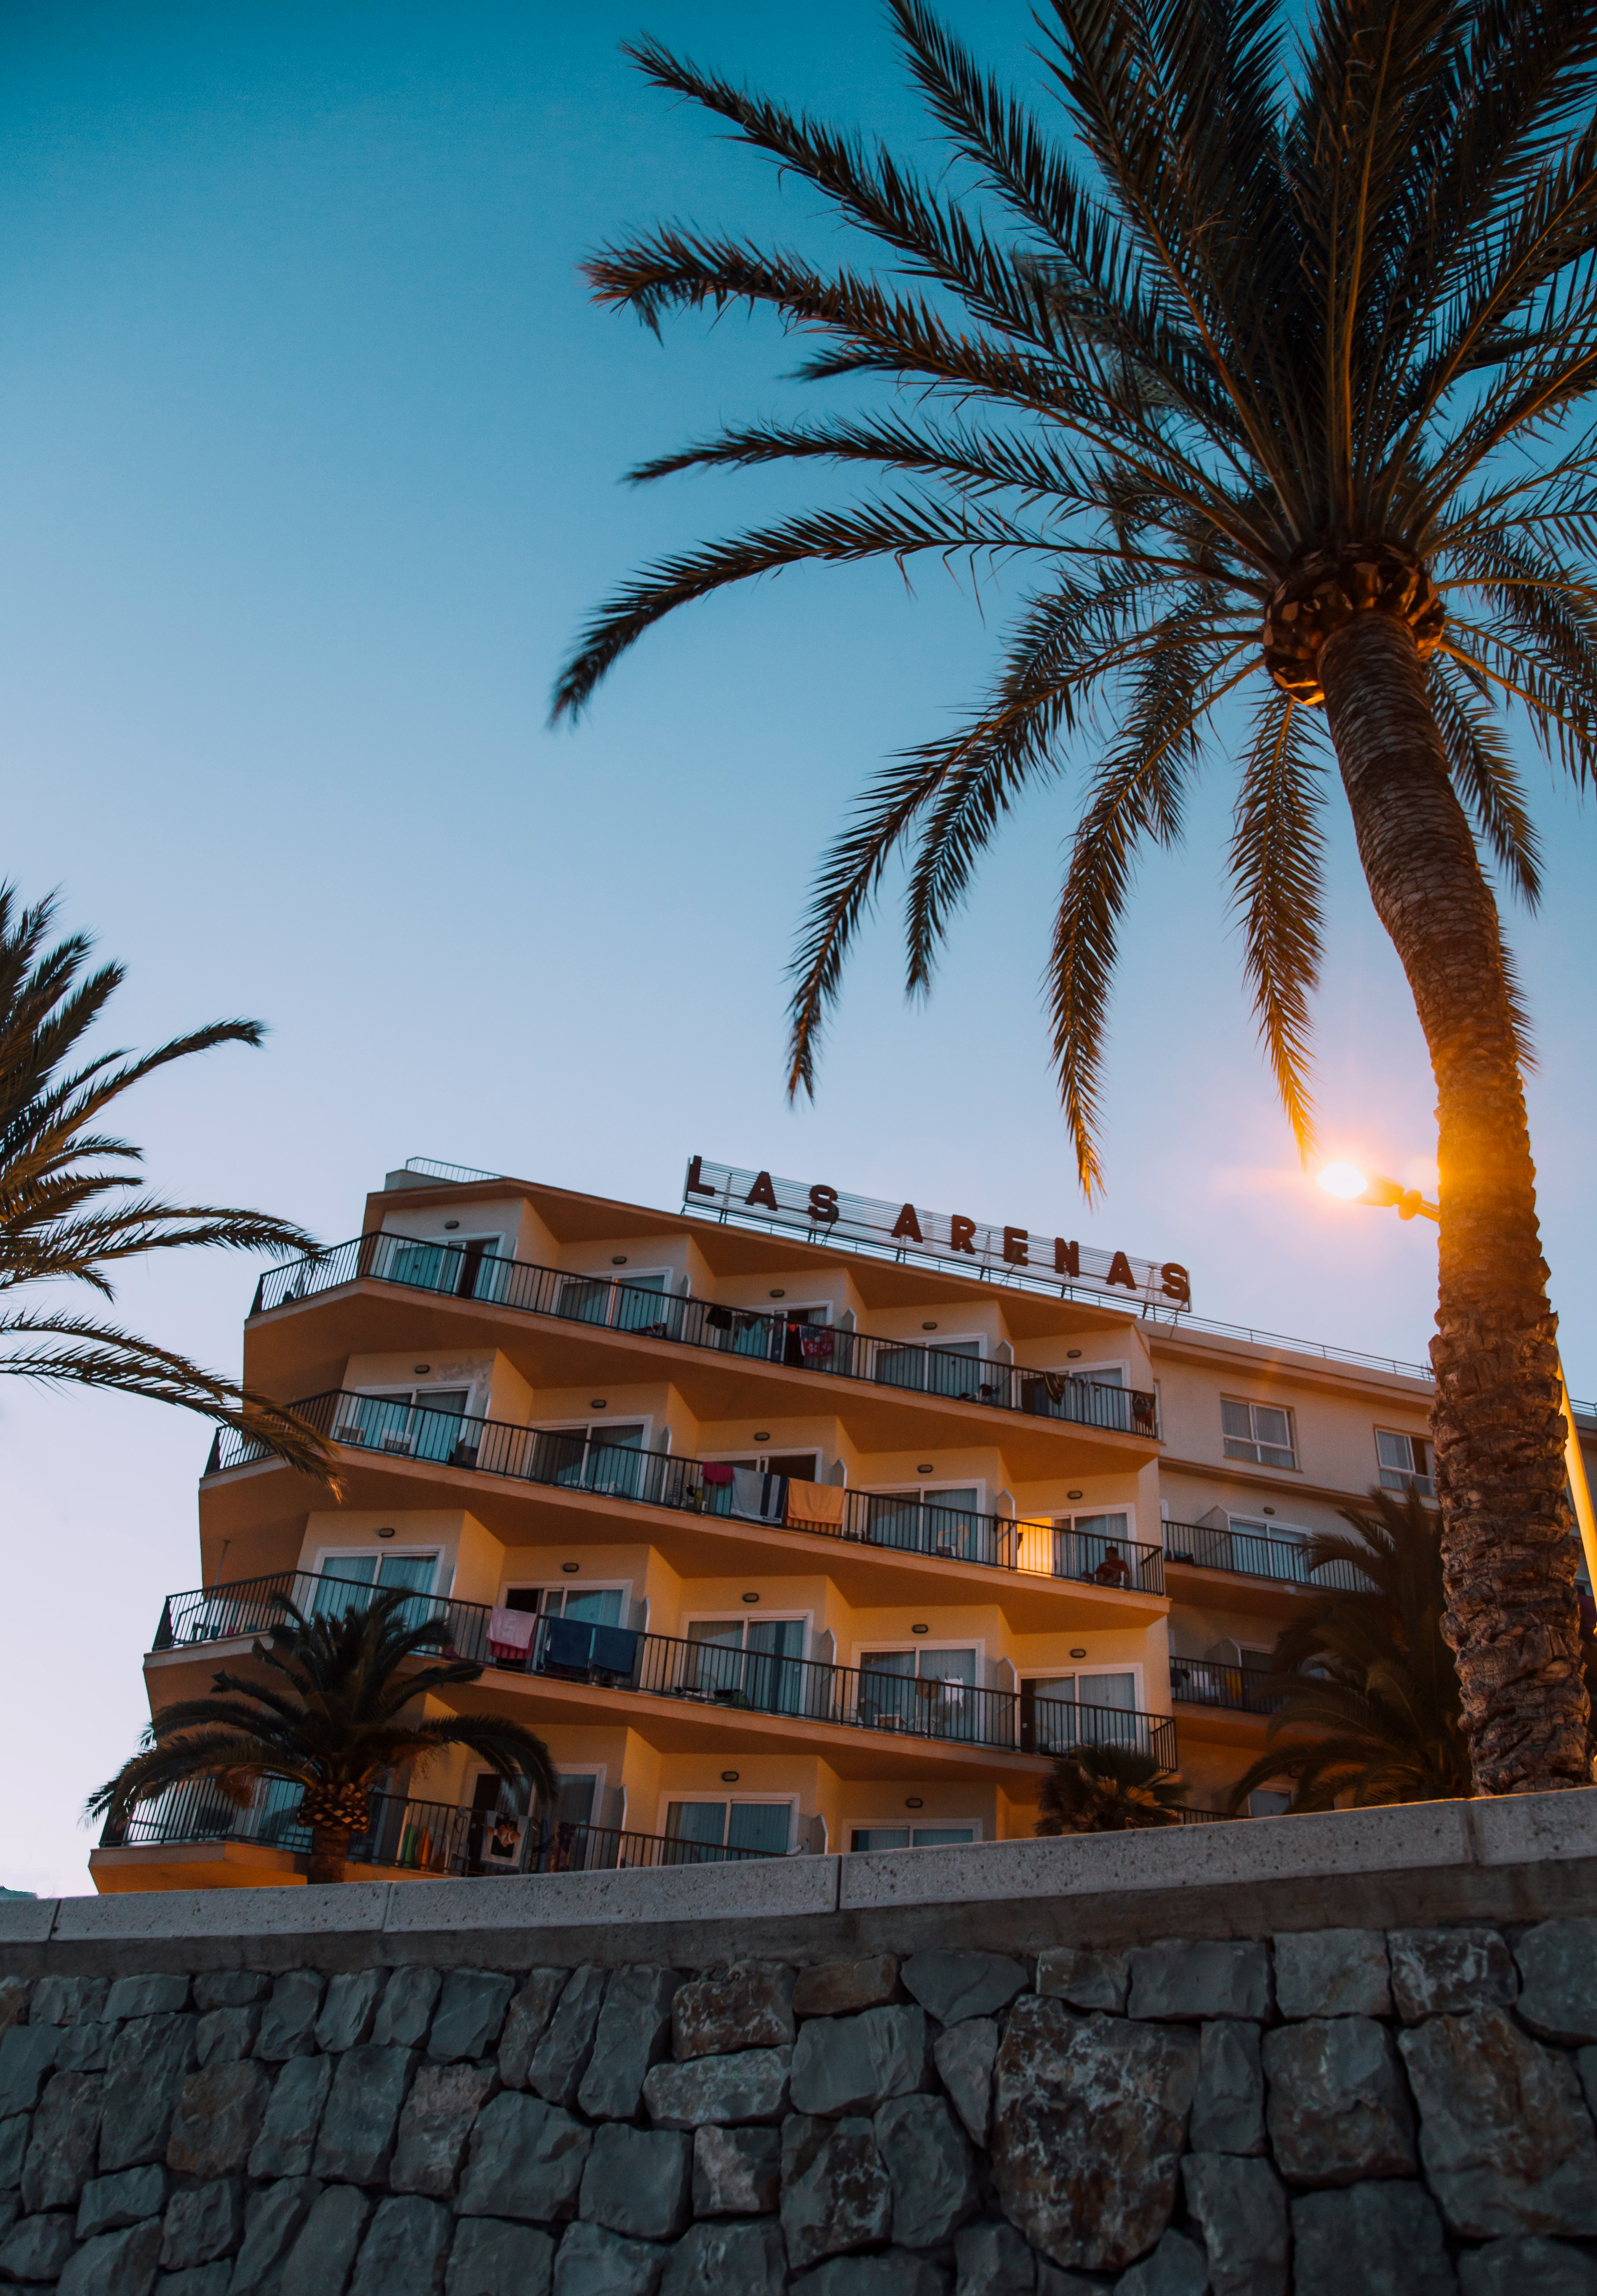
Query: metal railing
x=1239 y=1689
x=464 y=1271
x=700 y=1673
x=564 y=1460
x=1253 y=1556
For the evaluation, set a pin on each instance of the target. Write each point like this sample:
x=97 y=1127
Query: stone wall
x=1331 y=2111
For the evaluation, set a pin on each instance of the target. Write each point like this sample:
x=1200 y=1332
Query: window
x=1263 y=1548
x=930 y=1692
x=909 y=1837
x=1264 y=1803
x=804 y=1466
x=1259 y=1431
x=730 y=1824
x=748 y=1662
x=604 y=1457
x=471 y=1267
x=630 y=1303
x=344 y=1575
x=599 y=1606
x=1078 y=1709
x=950 y=1367
x=1092 y=1546
x=1407 y=1463
x=928 y=1521
x=415 y=1423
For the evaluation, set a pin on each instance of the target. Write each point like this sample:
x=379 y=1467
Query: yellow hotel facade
x=791 y=1522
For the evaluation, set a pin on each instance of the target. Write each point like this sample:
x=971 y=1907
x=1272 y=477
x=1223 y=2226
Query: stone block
x=224 y=2035
x=1558 y=1979
x=203 y=2222
x=526 y=2160
x=1084 y=1976
x=1338 y=2107
x=319 y=2261
x=992 y=2259
x=749 y=2007
x=145 y=1996
x=737 y=2172
x=930 y=2165
x=1446 y=1973
x=1530 y=2266
x=28 y=2056
x=1228 y=2105
x=561 y=2059
x=198 y=2280
x=288 y=2022
x=1178 y=2266
x=591 y=2262
x=470 y=2014
x=116 y=2264
x=406 y=2012
x=1586 y=2063
x=840 y=1988
x=1089 y=2119
x=406 y=2251
x=231 y=1989
x=287 y=2144
x=1382 y=2240
x=443 y=2104
x=1332 y=1973
x=65 y=2141
x=110 y=2203
x=836 y=2193
x=526 y=2023
x=361 y=2119
x=36 y=2248
x=1179 y=1979
x=13 y=2001
x=637 y=2181
x=633 y=2033
x=218 y=2118
x=1241 y=2207
x=68 y=2001
x=853 y=2064
x=1505 y=2138
x=14 y=2148
x=348 y=2009
x=492 y=2258
x=85 y=2048
x=272 y=2217
x=715 y=2259
x=895 y=2273
x=964 y=2056
x=149 y=2060
x=748 y=2087
x=951 y=1985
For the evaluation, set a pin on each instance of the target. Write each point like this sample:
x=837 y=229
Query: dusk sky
x=310 y=448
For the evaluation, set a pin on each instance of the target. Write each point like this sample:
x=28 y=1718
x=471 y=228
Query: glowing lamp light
x=1344 y=1180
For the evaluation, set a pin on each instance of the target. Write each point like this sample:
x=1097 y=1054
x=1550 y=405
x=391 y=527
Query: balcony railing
x=704 y=1673
x=1257 y=1557
x=566 y=1461
x=463 y=1271
x=1239 y=1689
x=422 y=1837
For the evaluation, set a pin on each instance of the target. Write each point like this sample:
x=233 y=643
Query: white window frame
x=736 y=1458
x=623 y=1586
x=1128 y=1507
x=1250 y=1404
x=929 y=1489
x=1421 y=1479
x=587 y=1427
x=1260 y=1526
x=977 y=1643
x=1122 y=1364
x=729 y=1795
x=433 y=1594
x=1084 y=1672
x=865 y=1825
x=807 y=1618
x=618 y=1275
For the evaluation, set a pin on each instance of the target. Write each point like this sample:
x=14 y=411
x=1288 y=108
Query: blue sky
x=310 y=443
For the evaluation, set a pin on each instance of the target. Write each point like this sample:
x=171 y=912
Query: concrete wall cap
x=354 y=1906
x=763 y=1887
x=1532 y=1829
x=28 y=1921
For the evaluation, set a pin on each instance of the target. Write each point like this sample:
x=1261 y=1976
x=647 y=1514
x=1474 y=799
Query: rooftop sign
x=908 y=1231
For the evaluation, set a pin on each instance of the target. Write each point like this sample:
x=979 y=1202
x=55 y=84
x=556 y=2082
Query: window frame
x=433 y=1594
x=728 y=1796
x=941 y=1825
x=1292 y=1465
x=1083 y=1671
x=974 y=1643
x=540 y=1587
x=806 y=1619
x=1421 y=1479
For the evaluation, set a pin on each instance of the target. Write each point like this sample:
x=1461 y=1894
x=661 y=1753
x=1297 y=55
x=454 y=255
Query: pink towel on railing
x=820 y=1504
x=511 y=1633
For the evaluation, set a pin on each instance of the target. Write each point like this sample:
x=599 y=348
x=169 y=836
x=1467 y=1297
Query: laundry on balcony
x=510 y=1636
x=718 y=1319
x=716 y=1472
x=757 y=1497
x=817 y=1341
x=814 y=1506
x=578 y=1648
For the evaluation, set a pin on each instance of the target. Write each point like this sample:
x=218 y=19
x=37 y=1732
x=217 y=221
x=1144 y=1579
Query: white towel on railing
x=760 y=1498
x=512 y=1631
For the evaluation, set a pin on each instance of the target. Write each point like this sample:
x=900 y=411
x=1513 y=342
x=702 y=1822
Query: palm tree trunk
x=329 y=1854
x=1508 y=1554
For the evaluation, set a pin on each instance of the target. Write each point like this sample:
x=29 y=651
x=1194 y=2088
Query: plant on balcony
x=338 y=1702
x=1272 y=370
x=1371 y=1692
x=64 y=1219
x=1107 y=1790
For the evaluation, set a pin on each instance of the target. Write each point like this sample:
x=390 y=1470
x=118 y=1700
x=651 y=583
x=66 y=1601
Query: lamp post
x=1353 y=1186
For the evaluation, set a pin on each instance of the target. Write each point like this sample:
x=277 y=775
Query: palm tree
x=329 y=1714
x=63 y=1219
x=1367 y=1674
x=1107 y=1790
x=1273 y=369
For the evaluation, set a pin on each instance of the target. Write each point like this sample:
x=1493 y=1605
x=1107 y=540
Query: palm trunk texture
x=1508 y=1553
x=329 y=1854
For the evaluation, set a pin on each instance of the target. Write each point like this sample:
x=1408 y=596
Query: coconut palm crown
x=337 y=1701
x=1268 y=365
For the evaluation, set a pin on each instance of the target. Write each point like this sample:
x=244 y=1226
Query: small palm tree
x=1273 y=370
x=1107 y=1790
x=331 y=1712
x=1372 y=1690
x=63 y=1219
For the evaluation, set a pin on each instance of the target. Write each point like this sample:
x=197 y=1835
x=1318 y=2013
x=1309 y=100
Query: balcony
x=1203 y=1547
x=559 y=1461
x=622 y=1661
x=464 y=1272
x=1232 y=1689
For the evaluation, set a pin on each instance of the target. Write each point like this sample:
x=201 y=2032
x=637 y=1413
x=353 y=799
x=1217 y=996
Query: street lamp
x=1357 y=1187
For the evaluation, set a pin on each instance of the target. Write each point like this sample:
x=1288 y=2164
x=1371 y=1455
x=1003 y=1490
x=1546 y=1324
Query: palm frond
x=1276 y=855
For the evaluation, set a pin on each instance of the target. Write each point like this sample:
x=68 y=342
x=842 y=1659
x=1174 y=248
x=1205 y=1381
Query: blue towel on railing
x=615 y=1650
x=570 y=1643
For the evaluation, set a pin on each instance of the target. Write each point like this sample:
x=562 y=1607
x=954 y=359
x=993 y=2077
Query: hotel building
x=790 y=1522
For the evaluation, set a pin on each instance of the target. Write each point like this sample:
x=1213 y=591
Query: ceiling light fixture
x=387 y=1531
x=569 y=1567
x=729 y=1777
